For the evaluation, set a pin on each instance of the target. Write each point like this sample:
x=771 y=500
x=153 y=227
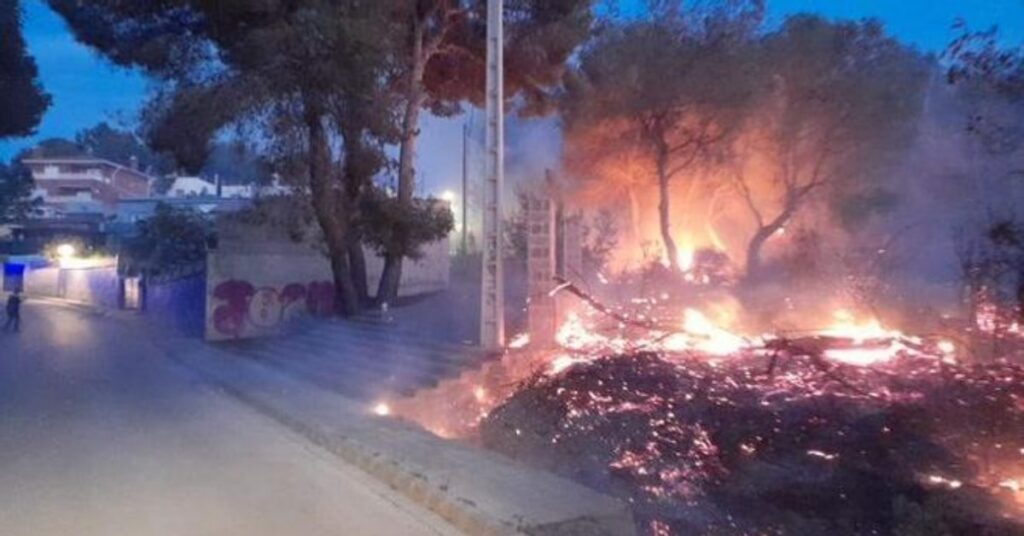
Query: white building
x=85 y=184
x=200 y=187
x=192 y=187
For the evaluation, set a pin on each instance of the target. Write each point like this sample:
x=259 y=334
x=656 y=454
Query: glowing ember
x=563 y=362
x=823 y=455
x=680 y=430
x=950 y=483
x=686 y=259
x=710 y=339
x=382 y=409
x=519 y=341
x=847 y=326
x=855 y=342
x=674 y=406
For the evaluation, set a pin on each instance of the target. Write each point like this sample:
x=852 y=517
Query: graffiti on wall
x=245 y=308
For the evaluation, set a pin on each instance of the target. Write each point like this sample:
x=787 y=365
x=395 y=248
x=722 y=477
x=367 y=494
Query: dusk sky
x=87 y=89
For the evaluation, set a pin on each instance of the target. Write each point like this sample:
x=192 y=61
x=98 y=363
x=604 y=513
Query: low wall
x=97 y=286
x=258 y=279
x=96 y=283
x=179 y=304
x=41 y=281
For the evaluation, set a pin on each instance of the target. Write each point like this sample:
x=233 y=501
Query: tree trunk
x=664 y=215
x=634 y=214
x=1020 y=295
x=357 y=179
x=345 y=294
x=391 y=277
x=330 y=214
x=357 y=263
x=761 y=237
x=754 y=247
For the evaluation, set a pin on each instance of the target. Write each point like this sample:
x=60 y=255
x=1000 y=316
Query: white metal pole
x=492 y=310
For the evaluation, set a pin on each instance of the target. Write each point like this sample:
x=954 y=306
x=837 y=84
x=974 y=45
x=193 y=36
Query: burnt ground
x=910 y=447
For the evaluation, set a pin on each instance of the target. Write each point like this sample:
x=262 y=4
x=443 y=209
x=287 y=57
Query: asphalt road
x=100 y=434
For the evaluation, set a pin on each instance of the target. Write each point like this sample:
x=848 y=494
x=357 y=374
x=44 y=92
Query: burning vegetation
x=812 y=320
x=850 y=429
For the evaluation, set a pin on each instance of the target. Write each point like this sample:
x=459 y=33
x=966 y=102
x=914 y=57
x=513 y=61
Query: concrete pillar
x=542 y=314
x=492 y=303
x=572 y=246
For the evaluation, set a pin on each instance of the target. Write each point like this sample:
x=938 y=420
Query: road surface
x=100 y=434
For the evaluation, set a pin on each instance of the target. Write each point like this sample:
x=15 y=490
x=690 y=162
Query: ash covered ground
x=913 y=445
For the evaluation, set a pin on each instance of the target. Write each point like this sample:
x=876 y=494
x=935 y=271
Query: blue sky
x=87 y=89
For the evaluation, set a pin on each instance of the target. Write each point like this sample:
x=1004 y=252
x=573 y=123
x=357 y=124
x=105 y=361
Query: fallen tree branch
x=571 y=288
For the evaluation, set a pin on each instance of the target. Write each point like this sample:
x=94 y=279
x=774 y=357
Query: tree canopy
x=706 y=108
x=22 y=98
x=326 y=86
x=171 y=238
x=107 y=142
x=16 y=202
x=666 y=91
x=842 y=102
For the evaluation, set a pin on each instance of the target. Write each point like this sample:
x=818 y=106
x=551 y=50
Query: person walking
x=13 y=312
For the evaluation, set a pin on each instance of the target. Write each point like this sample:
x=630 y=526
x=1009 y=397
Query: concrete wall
x=179 y=304
x=41 y=281
x=95 y=283
x=98 y=286
x=258 y=279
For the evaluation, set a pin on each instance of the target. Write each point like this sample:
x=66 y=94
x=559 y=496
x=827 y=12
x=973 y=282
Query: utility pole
x=492 y=299
x=465 y=188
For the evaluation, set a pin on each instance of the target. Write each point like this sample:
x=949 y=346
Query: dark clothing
x=13 y=305
x=13 y=313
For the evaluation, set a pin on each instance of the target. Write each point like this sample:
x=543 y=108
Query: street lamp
x=66 y=251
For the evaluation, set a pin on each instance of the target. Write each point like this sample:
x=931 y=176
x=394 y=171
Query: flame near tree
x=759 y=126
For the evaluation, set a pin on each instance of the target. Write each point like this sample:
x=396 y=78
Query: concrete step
x=379 y=350
x=426 y=374
x=395 y=328
x=364 y=359
x=367 y=352
x=355 y=384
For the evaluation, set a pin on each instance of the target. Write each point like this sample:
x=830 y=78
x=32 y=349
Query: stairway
x=364 y=358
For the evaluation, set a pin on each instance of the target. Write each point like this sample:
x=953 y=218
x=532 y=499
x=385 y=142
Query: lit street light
x=66 y=251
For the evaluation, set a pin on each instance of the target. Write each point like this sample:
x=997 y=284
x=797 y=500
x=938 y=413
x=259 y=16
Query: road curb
x=84 y=307
x=479 y=492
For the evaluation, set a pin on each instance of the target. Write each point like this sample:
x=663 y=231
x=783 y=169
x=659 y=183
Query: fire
x=942 y=481
x=382 y=409
x=704 y=336
x=686 y=259
x=872 y=343
x=521 y=340
x=679 y=373
x=848 y=326
x=851 y=340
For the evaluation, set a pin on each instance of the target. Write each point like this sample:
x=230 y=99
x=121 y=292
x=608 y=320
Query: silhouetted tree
x=307 y=77
x=22 y=98
x=840 y=98
x=668 y=89
x=16 y=202
x=440 y=59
